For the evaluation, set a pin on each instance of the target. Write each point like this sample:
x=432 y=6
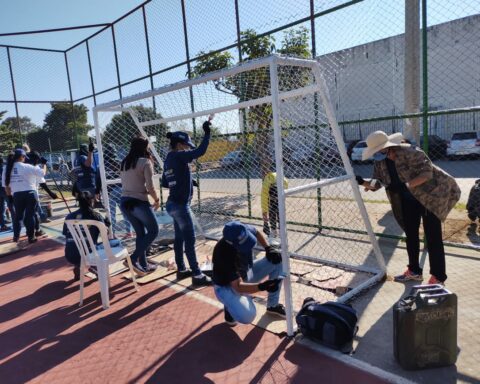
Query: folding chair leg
x=103 y=280
x=134 y=279
x=82 y=281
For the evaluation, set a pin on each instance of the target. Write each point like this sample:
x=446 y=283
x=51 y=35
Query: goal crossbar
x=243 y=67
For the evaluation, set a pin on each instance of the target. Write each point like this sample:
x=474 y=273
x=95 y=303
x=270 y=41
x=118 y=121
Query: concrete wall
x=367 y=80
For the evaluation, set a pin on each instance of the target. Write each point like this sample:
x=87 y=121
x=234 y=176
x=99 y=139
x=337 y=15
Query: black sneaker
x=278 y=310
x=229 y=319
x=40 y=233
x=4 y=228
x=76 y=273
x=201 y=281
x=32 y=240
x=183 y=274
x=16 y=239
x=47 y=220
x=138 y=269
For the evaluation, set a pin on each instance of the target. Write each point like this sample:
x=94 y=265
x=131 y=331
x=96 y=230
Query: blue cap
x=20 y=152
x=240 y=236
x=182 y=137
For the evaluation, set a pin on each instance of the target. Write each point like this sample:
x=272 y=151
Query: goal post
x=276 y=160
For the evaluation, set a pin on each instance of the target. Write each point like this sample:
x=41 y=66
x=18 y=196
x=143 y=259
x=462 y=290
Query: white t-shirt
x=40 y=180
x=24 y=177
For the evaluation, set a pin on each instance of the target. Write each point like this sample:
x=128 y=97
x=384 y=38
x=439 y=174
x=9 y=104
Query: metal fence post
x=425 y=75
x=318 y=165
x=149 y=58
x=192 y=103
x=13 y=90
x=91 y=73
x=244 y=112
x=71 y=99
x=116 y=61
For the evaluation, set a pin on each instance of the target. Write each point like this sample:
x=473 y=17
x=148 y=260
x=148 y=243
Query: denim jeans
x=184 y=234
x=143 y=221
x=115 y=195
x=25 y=206
x=3 y=204
x=241 y=307
x=40 y=215
x=15 y=223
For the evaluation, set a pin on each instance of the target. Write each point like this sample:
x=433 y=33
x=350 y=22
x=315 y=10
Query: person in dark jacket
x=473 y=203
x=178 y=178
x=86 y=211
x=84 y=172
x=3 y=201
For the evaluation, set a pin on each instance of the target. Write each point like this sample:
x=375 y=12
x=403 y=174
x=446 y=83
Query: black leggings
x=413 y=211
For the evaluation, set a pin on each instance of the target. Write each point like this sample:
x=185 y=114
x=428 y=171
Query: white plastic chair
x=100 y=258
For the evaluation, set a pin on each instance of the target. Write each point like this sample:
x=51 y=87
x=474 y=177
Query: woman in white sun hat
x=425 y=192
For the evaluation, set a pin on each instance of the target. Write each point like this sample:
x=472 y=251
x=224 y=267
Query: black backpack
x=332 y=324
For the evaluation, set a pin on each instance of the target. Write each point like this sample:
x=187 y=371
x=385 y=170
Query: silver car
x=464 y=144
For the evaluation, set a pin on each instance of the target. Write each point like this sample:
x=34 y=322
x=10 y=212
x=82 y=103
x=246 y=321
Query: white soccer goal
x=270 y=114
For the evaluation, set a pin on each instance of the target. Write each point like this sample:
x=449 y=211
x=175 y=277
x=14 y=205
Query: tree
x=65 y=125
x=256 y=83
x=9 y=139
x=26 y=124
x=122 y=128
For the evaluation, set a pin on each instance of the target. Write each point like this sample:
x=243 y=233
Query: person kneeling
x=236 y=276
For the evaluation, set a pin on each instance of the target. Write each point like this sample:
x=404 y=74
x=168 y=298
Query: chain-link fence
x=385 y=70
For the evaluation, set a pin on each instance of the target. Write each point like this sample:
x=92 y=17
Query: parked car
x=233 y=159
x=349 y=147
x=329 y=154
x=357 y=152
x=464 y=144
x=437 y=147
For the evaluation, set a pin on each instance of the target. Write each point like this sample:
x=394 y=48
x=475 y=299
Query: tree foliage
x=26 y=124
x=65 y=125
x=9 y=139
x=122 y=128
x=255 y=84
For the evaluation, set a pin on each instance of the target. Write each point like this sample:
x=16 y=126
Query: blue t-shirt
x=176 y=174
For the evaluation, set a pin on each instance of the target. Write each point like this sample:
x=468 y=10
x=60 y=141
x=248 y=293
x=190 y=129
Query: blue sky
x=211 y=25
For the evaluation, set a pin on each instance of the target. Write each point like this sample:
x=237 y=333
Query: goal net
x=276 y=160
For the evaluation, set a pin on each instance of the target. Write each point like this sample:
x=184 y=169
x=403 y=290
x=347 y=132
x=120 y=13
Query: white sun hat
x=379 y=140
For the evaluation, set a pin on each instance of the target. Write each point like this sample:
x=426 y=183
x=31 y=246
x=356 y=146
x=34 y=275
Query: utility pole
x=412 y=69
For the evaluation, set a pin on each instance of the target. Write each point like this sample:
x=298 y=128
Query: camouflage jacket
x=438 y=194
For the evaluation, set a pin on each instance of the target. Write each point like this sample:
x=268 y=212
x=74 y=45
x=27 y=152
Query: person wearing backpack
x=236 y=275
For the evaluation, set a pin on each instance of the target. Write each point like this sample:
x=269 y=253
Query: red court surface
x=158 y=335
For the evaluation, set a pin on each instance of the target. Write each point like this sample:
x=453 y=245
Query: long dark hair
x=85 y=202
x=11 y=159
x=138 y=149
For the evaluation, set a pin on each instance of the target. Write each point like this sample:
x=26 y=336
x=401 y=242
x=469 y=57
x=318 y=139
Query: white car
x=464 y=144
x=357 y=152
